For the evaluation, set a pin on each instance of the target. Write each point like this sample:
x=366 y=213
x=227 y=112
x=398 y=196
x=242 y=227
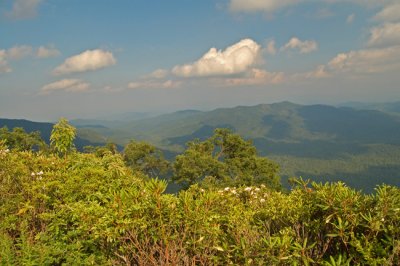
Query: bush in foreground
x=88 y=210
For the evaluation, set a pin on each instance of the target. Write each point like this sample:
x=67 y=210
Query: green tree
x=19 y=139
x=100 y=151
x=224 y=159
x=144 y=157
x=62 y=137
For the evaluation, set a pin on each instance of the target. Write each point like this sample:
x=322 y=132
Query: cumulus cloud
x=271 y=6
x=69 y=85
x=303 y=46
x=390 y=13
x=319 y=72
x=256 y=77
x=268 y=6
x=4 y=68
x=235 y=59
x=87 y=61
x=24 y=9
x=19 y=51
x=45 y=52
x=158 y=74
x=153 y=84
x=271 y=48
x=367 y=61
x=385 y=35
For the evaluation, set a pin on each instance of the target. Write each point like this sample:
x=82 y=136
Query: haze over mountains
x=325 y=143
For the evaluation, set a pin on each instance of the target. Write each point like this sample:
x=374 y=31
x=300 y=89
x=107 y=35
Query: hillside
x=391 y=107
x=84 y=138
x=317 y=141
x=321 y=142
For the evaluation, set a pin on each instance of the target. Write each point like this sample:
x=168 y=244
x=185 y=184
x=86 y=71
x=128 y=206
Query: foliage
x=142 y=156
x=89 y=210
x=18 y=139
x=62 y=137
x=225 y=159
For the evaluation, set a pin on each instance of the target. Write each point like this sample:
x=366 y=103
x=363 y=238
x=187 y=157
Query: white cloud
x=19 y=51
x=390 y=13
x=45 y=52
x=24 y=9
x=256 y=77
x=350 y=18
x=158 y=74
x=87 y=61
x=4 y=68
x=319 y=72
x=69 y=85
x=271 y=48
x=367 y=61
x=303 y=46
x=267 y=6
x=271 y=6
x=385 y=35
x=235 y=59
x=152 y=84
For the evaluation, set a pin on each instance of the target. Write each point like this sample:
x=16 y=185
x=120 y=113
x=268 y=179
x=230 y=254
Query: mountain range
x=359 y=145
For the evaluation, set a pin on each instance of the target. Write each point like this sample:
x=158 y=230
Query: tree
x=100 y=151
x=222 y=160
x=62 y=137
x=142 y=156
x=20 y=140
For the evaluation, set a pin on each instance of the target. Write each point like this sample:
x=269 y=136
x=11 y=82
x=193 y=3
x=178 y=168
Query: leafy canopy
x=62 y=137
x=144 y=157
x=222 y=160
x=19 y=139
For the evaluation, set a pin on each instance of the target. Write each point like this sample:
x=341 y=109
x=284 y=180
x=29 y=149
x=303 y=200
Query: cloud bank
x=390 y=13
x=89 y=60
x=385 y=35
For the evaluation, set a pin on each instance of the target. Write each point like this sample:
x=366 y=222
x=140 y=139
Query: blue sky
x=94 y=58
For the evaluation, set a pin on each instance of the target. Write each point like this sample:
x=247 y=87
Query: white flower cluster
x=4 y=152
x=253 y=193
x=38 y=175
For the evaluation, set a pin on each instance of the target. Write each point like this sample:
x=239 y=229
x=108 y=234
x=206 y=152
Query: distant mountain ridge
x=326 y=143
x=391 y=107
x=280 y=122
x=44 y=129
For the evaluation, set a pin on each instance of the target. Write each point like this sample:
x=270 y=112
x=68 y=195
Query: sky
x=95 y=58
